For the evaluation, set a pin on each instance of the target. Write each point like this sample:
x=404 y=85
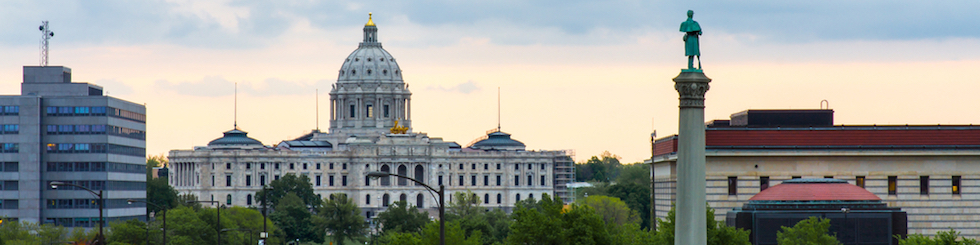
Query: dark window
x=304 y=166
x=498 y=180
x=956 y=185
x=318 y=166
x=517 y=180
x=367 y=199
x=796 y=177
x=473 y=180
x=763 y=183
x=542 y=180
x=498 y=166
x=529 y=166
x=486 y=198
x=353 y=113
x=385 y=181
x=498 y=198
x=343 y=166
x=292 y=166
x=732 y=185
x=248 y=165
x=228 y=199
x=386 y=111
x=486 y=180
x=227 y=165
x=923 y=185
x=248 y=180
x=828 y=177
x=859 y=181
x=262 y=166
x=440 y=180
x=227 y=180
x=11 y=185
x=892 y=185
x=277 y=165
x=460 y=180
x=317 y=180
x=460 y=166
x=542 y=166
x=330 y=180
x=367 y=181
x=530 y=180
x=261 y=179
x=331 y=165
x=518 y=197
x=486 y=166
x=343 y=180
x=248 y=199
x=275 y=177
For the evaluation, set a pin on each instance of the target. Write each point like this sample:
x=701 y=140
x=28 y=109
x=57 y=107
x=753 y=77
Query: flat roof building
x=58 y=130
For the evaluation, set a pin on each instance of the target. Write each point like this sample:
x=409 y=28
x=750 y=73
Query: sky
x=588 y=76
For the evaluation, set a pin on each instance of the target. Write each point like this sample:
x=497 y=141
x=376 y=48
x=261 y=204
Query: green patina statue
x=691 y=31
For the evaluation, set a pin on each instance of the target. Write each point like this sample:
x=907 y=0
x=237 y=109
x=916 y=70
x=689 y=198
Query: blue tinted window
x=81 y=110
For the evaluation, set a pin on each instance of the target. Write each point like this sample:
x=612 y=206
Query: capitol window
x=369 y=111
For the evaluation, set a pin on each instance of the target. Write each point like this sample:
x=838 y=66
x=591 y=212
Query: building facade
x=932 y=172
x=57 y=130
x=370 y=130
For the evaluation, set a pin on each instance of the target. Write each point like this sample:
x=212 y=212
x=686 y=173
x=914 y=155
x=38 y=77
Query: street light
x=219 y=216
x=265 y=221
x=131 y=201
x=101 y=238
x=442 y=204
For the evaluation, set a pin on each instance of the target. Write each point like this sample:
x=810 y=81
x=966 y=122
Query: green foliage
x=630 y=234
x=294 y=218
x=605 y=168
x=582 y=225
x=401 y=238
x=342 y=218
x=454 y=234
x=950 y=237
x=717 y=232
x=401 y=218
x=544 y=222
x=811 y=231
x=159 y=192
x=494 y=226
x=131 y=232
x=636 y=197
x=612 y=210
x=17 y=233
x=289 y=183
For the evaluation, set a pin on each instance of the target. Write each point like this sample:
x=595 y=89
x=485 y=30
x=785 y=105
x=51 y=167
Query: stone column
x=690 y=227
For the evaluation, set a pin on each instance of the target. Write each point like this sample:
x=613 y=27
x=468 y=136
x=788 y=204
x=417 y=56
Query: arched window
x=228 y=200
x=403 y=198
x=420 y=201
x=530 y=196
x=367 y=199
x=353 y=111
x=248 y=199
x=498 y=198
x=486 y=198
x=385 y=200
x=419 y=174
x=385 y=181
x=403 y=171
x=518 y=197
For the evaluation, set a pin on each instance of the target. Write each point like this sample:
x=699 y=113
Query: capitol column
x=691 y=85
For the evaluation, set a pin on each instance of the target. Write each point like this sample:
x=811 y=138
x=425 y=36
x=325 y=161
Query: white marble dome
x=370 y=62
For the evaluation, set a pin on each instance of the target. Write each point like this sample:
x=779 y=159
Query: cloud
x=249 y=24
x=212 y=86
x=464 y=88
x=216 y=86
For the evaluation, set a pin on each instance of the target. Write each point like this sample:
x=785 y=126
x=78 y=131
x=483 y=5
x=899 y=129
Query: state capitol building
x=371 y=130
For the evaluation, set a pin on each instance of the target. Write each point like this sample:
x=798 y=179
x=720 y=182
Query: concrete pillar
x=690 y=226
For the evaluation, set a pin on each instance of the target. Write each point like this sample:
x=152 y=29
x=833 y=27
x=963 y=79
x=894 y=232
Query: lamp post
x=219 y=216
x=131 y=201
x=101 y=238
x=442 y=204
x=265 y=221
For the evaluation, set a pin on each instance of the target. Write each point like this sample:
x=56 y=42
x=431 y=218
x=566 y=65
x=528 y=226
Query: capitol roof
x=234 y=137
x=498 y=141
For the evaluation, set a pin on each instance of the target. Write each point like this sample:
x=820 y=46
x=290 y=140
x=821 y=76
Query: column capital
x=691 y=86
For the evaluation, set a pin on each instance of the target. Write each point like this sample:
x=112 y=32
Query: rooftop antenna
x=236 y=105
x=46 y=34
x=317 y=110
x=498 y=109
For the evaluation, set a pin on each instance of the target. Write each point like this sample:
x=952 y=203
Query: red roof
x=922 y=136
x=815 y=192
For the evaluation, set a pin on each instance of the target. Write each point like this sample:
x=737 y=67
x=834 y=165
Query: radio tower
x=45 y=35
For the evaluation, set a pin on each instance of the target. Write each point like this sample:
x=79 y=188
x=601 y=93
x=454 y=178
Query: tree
x=582 y=225
x=294 y=218
x=289 y=183
x=636 y=197
x=718 y=232
x=811 y=231
x=159 y=192
x=612 y=210
x=131 y=232
x=454 y=234
x=546 y=222
x=950 y=237
x=342 y=218
x=605 y=168
x=401 y=218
